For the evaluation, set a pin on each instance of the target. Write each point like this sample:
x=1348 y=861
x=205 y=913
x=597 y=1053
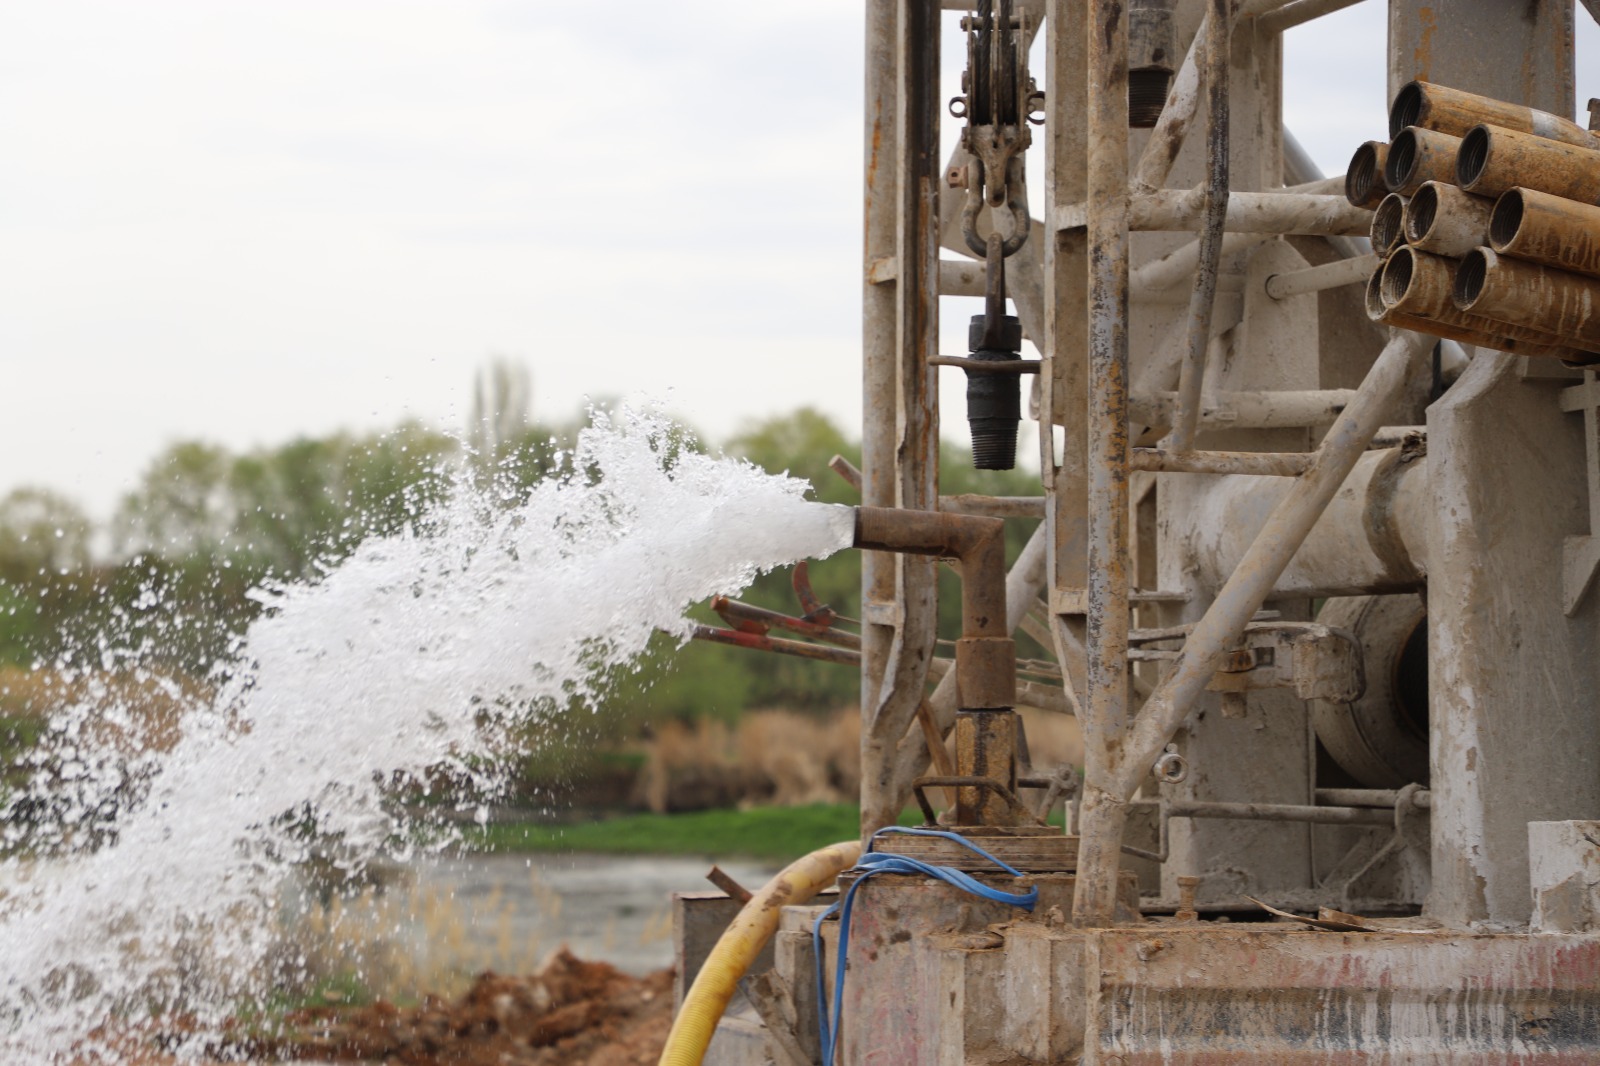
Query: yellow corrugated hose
x=738 y=947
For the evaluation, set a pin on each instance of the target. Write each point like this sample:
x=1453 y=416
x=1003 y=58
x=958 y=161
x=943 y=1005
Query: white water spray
x=405 y=657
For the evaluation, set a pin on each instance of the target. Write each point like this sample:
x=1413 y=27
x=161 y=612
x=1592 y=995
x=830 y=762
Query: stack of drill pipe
x=1490 y=230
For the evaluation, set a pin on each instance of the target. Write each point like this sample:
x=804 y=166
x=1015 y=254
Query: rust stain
x=1113 y=21
x=1428 y=24
x=871 y=183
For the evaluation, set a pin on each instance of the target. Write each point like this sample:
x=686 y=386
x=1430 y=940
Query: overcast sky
x=246 y=221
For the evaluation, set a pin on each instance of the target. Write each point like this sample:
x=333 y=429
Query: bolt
x=1186 y=889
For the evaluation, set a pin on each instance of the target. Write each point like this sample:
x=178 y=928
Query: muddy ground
x=570 y=1013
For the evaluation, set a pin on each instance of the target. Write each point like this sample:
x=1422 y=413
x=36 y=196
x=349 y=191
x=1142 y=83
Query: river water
x=451 y=917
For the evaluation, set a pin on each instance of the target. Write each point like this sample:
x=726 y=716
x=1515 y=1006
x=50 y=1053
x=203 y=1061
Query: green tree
x=182 y=506
x=41 y=532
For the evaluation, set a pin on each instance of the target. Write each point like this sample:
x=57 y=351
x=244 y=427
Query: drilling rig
x=1314 y=557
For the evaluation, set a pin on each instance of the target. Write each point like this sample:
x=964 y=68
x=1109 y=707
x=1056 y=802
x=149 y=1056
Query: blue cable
x=877 y=862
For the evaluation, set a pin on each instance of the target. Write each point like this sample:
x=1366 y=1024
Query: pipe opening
x=1407 y=108
x=1387 y=222
x=1506 y=220
x=1421 y=212
x=1402 y=162
x=1362 y=176
x=1397 y=274
x=1473 y=156
x=1374 y=296
x=1470 y=277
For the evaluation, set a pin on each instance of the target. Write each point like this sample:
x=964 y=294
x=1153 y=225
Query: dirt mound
x=571 y=1012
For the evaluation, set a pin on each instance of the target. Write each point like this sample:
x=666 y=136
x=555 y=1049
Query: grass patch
x=263 y=1017
x=19 y=734
x=759 y=833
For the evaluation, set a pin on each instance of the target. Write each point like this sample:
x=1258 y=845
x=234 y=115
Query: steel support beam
x=900 y=432
x=1106 y=703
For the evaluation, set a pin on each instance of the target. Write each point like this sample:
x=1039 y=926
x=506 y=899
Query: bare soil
x=570 y=1013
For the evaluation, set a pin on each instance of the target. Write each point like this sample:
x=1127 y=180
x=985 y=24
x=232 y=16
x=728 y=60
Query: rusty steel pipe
x=1363 y=179
x=1548 y=230
x=1203 y=297
x=900 y=427
x=1105 y=706
x=1029 y=693
x=985 y=654
x=1417 y=155
x=1494 y=160
x=1443 y=220
x=1165 y=273
x=1326 y=276
x=1281 y=812
x=1251 y=212
x=1301 y=11
x=994 y=506
x=1421 y=799
x=1023 y=585
x=761 y=642
x=1319 y=186
x=1416 y=283
x=1531 y=296
x=1389 y=225
x=1250 y=584
x=1459 y=333
x=1250 y=410
x=1453 y=111
x=986 y=747
x=1274 y=464
x=1386 y=316
x=1424 y=286
x=749 y=618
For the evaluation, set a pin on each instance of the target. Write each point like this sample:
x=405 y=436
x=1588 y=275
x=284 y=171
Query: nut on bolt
x=1171 y=768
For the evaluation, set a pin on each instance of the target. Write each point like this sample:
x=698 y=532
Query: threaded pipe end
x=1407 y=108
x=994 y=443
x=1402 y=162
x=1387 y=222
x=1397 y=276
x=1506 y=220
x=1472 y=157
x=1147 y=95
x=1361 y=178
x=1421 y=211
x=1470 y=278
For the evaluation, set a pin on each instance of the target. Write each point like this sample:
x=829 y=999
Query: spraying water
x=418 y=651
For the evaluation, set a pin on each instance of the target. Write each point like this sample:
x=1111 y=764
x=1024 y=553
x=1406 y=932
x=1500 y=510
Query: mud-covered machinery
x=1318 y=589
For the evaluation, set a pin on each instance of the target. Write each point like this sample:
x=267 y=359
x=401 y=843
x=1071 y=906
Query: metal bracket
x=1317 y=661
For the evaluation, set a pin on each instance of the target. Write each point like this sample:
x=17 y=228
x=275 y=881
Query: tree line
x=169 y=577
